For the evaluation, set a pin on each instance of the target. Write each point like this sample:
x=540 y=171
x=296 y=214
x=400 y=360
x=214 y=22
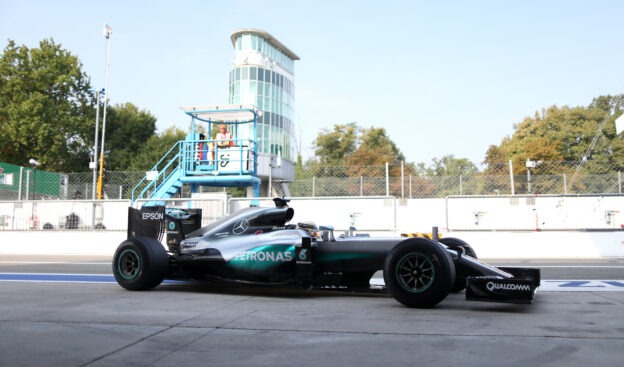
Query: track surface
x=65 y=310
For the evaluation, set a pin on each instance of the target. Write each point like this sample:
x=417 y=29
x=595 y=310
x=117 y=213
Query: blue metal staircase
x=201 y=162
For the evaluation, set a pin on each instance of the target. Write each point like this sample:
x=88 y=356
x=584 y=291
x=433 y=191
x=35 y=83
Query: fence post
x=361 y=186
x=565 y=184
x=313 y=184
x=28 y=185
x=511 y=179
x=402 y=180
x=387 y=181
x=19 y=190
x=620 y=181
x=461 y=187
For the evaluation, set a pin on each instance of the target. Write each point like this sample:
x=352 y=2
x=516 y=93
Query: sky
x=442 y=77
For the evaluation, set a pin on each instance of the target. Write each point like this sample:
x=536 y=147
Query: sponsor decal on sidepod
x=274 y=256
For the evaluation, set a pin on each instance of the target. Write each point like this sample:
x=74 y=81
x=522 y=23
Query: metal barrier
x=366 y=213
x=535 y=213
x=53 y=215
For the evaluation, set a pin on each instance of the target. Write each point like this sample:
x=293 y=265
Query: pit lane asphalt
x=100 y=324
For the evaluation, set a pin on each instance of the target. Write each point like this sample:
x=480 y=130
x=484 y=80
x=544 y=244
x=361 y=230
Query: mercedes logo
x=240 y=226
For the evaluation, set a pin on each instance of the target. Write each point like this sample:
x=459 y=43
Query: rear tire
x=140 y=263
x=461 y=274
x=419 y=273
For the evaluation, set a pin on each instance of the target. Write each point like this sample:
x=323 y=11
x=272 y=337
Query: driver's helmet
x=311 y=228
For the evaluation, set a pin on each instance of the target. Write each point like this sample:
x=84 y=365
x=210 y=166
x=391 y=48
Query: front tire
x=419 y=273
x=140 y=263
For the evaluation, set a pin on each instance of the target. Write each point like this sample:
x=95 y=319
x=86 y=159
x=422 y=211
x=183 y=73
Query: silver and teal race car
x=259 y=246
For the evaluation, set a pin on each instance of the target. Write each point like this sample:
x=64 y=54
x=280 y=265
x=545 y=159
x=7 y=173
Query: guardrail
x=371 y=214
x=86 y=215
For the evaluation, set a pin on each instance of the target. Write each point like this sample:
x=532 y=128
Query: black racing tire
x=461 y=274
x=140 y=263
x=419 y=273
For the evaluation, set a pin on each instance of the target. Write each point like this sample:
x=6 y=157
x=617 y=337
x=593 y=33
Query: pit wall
x=460 y=213
x=497 y=227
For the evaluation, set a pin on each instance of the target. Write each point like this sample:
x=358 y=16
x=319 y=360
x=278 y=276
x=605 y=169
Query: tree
x=564 y=134
x=128 y=129
x=448 y=165
x=349 y=144
x=155 y=148
x=46 y=108
x=454 y=175
x=332 y=147
x=377 y=141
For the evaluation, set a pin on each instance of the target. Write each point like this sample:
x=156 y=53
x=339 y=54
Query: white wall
x=551 y=244
x=567 y=226
x=535 y=212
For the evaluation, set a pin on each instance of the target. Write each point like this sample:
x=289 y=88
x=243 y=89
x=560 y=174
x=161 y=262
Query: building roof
x=267 y=36
x=223 y=113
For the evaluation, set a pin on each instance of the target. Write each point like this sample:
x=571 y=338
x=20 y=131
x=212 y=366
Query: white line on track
x=53 y=263
x=571 y=266
x=547 y=285
x=567 y=285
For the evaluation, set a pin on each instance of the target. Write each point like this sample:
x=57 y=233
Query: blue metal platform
x=200 y=161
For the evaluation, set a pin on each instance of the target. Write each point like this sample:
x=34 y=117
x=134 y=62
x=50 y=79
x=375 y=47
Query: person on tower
x=224 y=137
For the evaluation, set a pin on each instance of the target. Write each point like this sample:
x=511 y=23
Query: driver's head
x=311 y=228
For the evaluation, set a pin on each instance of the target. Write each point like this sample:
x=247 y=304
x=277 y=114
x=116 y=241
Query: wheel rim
x=129 y=264
x=415 y=272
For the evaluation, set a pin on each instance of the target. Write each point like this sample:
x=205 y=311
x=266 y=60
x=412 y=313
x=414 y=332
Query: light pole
x=278 y=164
x=34 y=222
x=34 y=164
x=270 y=188
x=95 y=147
x=107 y=33
x=531 y=164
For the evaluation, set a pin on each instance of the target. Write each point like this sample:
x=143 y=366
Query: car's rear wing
x=156 y=221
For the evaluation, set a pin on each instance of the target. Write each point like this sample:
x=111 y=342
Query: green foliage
x=155 y=148
x=563 y=134
x=46 y=108
x=356 y=148
x=128 y=129
x=332 y=147
x=351 y=152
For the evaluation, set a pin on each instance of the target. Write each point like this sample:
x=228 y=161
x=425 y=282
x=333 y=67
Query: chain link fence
x=29 y=183
x=542 y=178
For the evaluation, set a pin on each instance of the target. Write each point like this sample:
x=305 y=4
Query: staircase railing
x=198 y=158
x=166 y=166
x=202 y=157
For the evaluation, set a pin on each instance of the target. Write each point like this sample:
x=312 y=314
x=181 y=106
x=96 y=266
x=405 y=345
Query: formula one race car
x=258 y=246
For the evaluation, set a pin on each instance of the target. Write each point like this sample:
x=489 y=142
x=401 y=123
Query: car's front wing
x=520 y=288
